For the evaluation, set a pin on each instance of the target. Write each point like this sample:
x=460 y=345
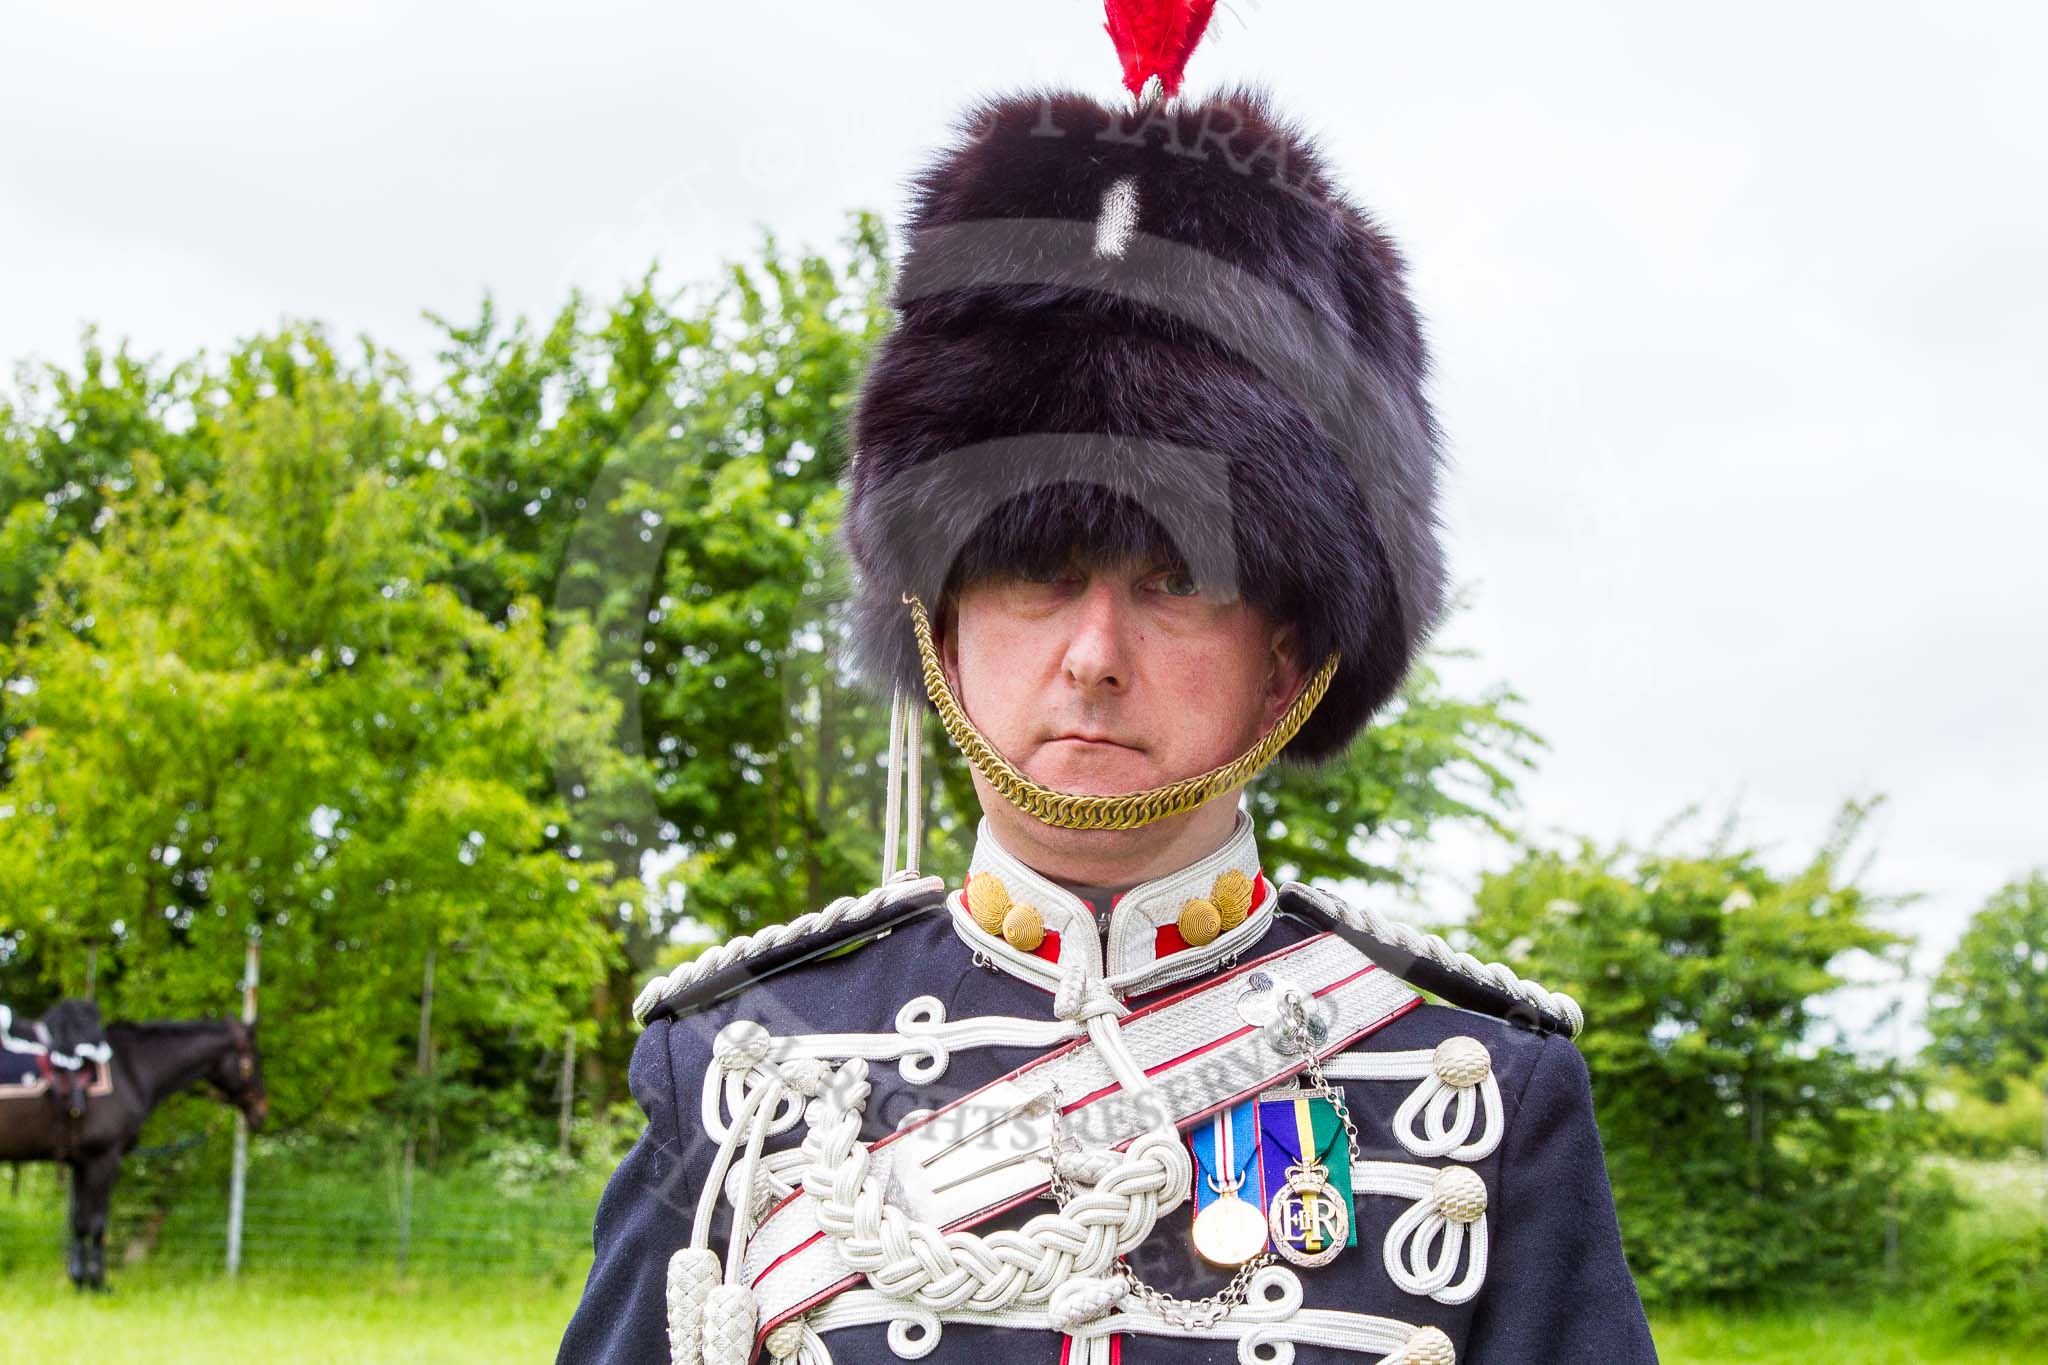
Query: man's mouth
x=1095 y=741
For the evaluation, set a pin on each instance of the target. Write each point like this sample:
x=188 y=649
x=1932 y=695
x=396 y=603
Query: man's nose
x=1097 y=650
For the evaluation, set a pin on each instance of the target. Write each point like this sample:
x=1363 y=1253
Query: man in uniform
x=1143 y=491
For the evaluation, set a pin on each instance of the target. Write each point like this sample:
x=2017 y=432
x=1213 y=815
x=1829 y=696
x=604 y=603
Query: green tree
x=665 y=471
x=1988 y=1012
x=670 y=472
x=1430 y=757
x=1749 y=1146
x=68 y=439
x=250 y=708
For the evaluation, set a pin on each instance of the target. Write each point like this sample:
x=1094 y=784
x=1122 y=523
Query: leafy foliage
x=1988 y=1013
x=68 y=439
x=1430 y=757
x=670 y=473
x=2000 y=1292
x=1973 y=1124
x=249 y=709
x=1747 y=1148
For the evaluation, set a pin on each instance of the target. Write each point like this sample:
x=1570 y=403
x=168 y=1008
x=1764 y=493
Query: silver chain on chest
x=1296 y=1036
x=1295 y=1027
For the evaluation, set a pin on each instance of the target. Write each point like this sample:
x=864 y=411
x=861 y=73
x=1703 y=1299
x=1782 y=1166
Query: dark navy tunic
x=1557 y=1288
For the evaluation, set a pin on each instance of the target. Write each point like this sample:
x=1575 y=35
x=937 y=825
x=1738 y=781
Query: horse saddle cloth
x=40 y=1054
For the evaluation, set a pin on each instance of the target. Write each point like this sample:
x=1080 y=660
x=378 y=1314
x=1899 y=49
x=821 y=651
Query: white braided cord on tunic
x=1266 y=1327
x=924 y=1264
x=1010 y=1276
x=845 y=910
x=1444 y=1227
x=924 y=1041
x=693 y=1272
x=730 y=1315
x=1458 y=1071
x=1435 y=949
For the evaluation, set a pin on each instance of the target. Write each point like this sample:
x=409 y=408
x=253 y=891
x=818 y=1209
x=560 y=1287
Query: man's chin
x=1119 y=774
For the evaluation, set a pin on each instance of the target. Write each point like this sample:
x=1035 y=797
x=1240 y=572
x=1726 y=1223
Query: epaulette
x=1426 y=960
x=733 y=966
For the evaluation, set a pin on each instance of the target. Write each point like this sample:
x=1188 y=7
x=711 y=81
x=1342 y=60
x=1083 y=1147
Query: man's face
x=1104 y=681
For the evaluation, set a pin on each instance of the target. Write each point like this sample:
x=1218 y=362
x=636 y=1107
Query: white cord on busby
x=903 y=799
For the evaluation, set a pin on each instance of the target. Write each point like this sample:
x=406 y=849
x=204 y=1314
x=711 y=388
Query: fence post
x=1891 y=1197
x=239 y=1176
x=568 y=1085
x=424 y=1063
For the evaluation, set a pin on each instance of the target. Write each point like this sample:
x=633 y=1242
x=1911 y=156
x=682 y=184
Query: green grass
x=148 y=1321
x=185 y=1321
x=1905 y=1334
x=174 y=1311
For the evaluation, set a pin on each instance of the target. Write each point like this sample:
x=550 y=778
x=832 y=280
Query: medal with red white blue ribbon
x=1229 y=1231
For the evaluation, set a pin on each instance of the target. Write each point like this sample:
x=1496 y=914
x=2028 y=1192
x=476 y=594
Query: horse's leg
x=74 y=1252
x=92 y=1193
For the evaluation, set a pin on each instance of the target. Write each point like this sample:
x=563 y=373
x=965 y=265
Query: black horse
x=151 y=1062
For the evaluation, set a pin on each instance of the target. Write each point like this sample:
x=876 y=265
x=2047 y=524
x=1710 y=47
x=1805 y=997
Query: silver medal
x=1229 y=1232
x=1308 y=1221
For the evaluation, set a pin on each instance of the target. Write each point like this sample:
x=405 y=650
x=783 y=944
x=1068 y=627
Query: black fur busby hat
x=1160 y=329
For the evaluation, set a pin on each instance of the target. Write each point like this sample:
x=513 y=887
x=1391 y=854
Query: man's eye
x=1043 y=577
x=1179 y=584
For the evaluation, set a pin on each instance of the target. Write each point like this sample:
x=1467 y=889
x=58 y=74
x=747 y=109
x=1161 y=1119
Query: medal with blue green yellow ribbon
x=1308 y=1169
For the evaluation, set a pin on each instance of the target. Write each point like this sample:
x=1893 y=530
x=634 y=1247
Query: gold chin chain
x=1066 y=810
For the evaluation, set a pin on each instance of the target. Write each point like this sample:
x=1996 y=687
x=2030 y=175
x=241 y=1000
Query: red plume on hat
x=1156 y=38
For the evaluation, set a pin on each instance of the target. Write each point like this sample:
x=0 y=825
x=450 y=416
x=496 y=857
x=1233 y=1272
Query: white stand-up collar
x=1127 y=958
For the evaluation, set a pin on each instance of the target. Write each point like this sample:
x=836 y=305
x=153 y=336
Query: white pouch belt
x=1196 y=1047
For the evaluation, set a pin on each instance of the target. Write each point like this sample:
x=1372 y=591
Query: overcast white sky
x=1737 y=309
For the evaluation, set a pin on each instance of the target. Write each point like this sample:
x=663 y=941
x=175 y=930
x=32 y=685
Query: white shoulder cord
x=694 y=1273
x=743 y=1129
x=743 y=1200
x=844 y=910
x=1434 y=948
x=711 y=1315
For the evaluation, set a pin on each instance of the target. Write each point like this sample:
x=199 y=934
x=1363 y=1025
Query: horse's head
x=239 y=1074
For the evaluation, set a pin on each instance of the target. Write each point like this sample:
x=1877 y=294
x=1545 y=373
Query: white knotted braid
x=693 y=1272
x=1429 y=1346
x=845 y=910
x=1435 y=949
x=785 y=1342
x=730 y=1315
x=935 y=1269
